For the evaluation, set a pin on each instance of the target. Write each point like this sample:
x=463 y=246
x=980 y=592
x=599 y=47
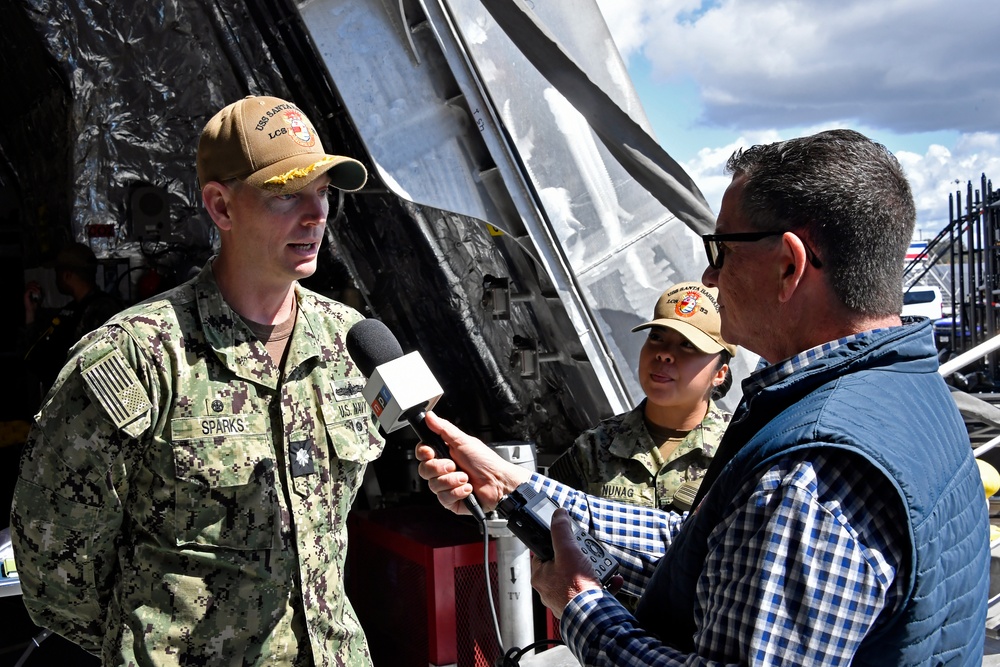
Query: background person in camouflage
x=48 y=334
x=656 y=454
x=183 y=493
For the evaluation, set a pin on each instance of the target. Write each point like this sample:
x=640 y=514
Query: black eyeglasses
x=716 y=251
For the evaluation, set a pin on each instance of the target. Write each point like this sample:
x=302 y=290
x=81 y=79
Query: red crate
x=415 y=577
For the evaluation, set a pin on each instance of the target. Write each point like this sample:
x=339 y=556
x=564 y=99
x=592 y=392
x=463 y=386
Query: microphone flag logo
x=382 y=400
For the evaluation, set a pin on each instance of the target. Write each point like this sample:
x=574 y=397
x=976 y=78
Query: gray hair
x=848 y=198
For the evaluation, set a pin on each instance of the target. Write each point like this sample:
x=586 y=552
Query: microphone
x=400 y=388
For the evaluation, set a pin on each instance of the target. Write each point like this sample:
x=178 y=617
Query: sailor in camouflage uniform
x=619 y=460
x=656 y=454
x=184 y=491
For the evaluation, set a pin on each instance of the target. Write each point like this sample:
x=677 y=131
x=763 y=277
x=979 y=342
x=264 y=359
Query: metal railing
x=970 y=249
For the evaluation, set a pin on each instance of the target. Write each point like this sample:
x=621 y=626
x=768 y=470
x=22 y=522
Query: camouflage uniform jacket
x=181 y=501
x=618 y=460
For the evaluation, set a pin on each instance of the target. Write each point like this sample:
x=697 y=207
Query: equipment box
x=415 y=577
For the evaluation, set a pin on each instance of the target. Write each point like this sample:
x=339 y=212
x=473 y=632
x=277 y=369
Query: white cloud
x=899 y=65
x=933 y=175
x=628 y=24
x=708 y=168
x=772 y=69
x=941 y=171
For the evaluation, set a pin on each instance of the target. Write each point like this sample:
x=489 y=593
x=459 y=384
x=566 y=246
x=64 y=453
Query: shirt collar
x=769 y=374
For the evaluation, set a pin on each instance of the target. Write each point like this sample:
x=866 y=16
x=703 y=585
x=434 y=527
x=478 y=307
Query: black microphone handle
x=415 y=416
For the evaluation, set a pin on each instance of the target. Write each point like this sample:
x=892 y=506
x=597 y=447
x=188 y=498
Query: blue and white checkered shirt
x=797 y=574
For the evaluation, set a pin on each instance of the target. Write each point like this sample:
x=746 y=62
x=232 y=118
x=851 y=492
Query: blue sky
x=920 y=76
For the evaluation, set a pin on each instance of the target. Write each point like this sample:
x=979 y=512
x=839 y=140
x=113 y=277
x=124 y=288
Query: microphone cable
x=512 y=657
x=489 y=586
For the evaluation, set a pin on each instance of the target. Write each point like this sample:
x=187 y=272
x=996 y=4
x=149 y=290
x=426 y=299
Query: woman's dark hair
x=723 y=389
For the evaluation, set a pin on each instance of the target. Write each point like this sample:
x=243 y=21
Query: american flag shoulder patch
x=116 y=387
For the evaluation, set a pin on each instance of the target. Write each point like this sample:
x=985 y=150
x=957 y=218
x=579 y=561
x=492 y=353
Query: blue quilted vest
x=882 y=398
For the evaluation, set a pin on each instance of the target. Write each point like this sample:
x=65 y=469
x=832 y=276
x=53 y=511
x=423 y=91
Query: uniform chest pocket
x=225 y=492
x=353 y=436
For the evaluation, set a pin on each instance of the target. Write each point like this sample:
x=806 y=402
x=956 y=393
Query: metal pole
x=952 y=260
x=961 y=340
x=969 y=356
x=517 y=626
x=993 y=269
x=974 y=296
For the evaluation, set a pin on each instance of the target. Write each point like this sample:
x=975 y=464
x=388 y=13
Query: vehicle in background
x=945 y=337
x=923 y=301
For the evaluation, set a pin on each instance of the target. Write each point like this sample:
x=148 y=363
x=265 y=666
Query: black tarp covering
x=131 y=85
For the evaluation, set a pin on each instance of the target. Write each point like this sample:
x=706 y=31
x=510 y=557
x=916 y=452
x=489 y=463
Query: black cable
x=489 y=587
x=512 y=658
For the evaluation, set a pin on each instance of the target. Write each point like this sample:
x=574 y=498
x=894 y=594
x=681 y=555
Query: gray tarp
x=643 y=158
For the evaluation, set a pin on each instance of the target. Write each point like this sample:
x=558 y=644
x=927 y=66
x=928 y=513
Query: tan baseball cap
x=691 y=309
x=269 y=143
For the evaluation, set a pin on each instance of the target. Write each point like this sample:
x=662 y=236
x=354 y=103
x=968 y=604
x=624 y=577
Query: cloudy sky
x=921 y=77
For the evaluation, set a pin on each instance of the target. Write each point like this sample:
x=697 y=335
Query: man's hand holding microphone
x=462 y=471
x=474 y=467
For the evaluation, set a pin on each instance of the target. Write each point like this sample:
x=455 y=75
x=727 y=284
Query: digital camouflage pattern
x=618 y=459
x=182 y=501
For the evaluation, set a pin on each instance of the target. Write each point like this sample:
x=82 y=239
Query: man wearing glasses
x=842 y=520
